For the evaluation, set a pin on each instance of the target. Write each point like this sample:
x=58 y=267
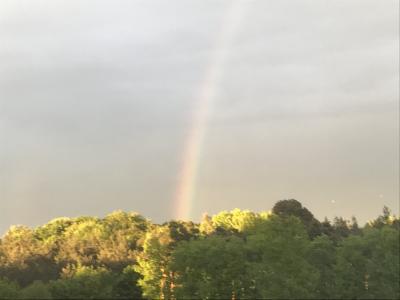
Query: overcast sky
x=96 y=99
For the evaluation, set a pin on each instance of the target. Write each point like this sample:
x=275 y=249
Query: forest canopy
x=283 y=253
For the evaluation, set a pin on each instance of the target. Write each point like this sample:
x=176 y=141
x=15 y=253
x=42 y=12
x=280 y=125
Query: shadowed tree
x=292 y=207
x=83 y=283
x=322 y=256
x=125 y=286
x=368 y=265
x=24 y=258
x=36 y=290
x=8 y=289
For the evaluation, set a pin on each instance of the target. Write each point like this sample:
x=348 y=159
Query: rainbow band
x=185 y=192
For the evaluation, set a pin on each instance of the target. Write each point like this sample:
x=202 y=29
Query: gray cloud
x=96 y=99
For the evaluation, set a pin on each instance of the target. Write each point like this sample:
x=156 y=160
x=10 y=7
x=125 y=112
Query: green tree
x=386 y=219
x=341 y=228
x=236 y=220
x=277 y=260
x=322 y=256
x=53 y=230
x=237 y=254
x=81 y=243
x=181 y=231
x=125 y=286
x=157 y=279
x=292 y=207
x=153 y=263
x=24 y=258
x=36 y=290
x=122 y=236
x=206 y=226
x=368 y=265
x=8 y=289
x=211 y=268
x=83 y=283
x=111 y=242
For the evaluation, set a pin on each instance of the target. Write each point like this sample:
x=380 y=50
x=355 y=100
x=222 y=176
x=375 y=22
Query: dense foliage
x=285 y=253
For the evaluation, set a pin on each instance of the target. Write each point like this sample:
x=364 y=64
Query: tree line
x=282 y=254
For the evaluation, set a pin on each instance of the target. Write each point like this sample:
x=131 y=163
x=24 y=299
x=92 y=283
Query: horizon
x=196 y=221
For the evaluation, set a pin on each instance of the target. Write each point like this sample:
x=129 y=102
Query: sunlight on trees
x=285 y=253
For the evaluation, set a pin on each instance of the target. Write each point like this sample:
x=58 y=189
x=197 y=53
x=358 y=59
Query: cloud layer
x=96 y=99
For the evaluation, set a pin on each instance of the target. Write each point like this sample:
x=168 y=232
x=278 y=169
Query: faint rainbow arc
x=185 y=190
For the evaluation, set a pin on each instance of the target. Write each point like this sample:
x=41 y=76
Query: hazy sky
x=97 y=99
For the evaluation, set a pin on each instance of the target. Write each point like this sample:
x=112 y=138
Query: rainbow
x=185 y=191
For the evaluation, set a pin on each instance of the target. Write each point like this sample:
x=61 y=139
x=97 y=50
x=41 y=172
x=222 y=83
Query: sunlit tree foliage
x=283 y=254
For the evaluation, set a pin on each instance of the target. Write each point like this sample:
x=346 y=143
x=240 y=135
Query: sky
x=150 y=105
